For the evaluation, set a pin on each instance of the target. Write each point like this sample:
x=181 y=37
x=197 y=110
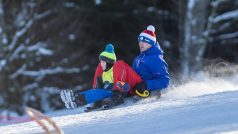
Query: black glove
x=117 y=99
x=140 y=90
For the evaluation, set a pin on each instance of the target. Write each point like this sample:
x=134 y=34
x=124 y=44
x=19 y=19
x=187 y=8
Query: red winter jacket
x=121 y=72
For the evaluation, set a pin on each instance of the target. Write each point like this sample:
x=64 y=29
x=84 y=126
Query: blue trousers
x=94 y=95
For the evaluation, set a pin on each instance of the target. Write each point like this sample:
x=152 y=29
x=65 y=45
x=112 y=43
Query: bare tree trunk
x=182 y=10
x=2 y=43
x=193 y=41
x=2 y=34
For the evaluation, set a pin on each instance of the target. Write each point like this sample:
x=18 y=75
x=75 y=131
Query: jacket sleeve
x=159 y=70
x=98 y=73
x=123 y=72
x=119 y=73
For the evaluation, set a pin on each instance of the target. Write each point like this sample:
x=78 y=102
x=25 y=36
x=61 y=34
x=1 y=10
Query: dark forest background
x=48 y=45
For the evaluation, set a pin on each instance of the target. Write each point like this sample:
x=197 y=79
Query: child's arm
x=123 y=86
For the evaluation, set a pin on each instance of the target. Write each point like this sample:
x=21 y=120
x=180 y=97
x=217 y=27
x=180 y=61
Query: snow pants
x=94 y=95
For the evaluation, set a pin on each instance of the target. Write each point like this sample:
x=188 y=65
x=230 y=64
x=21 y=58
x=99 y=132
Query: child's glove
x=117 y=99
x=140 y=90
x=123 y=85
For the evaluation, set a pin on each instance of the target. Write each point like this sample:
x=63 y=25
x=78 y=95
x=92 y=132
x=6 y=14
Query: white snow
x=191 y=4
x=39 y=47
x=42 y=15
x=1 y=9
x=205 y=105
x=30 y=86
x=151 y=9
x=71 y=37
x=71 y=5
x=20 y=20
x=2 y=64
x=226 y=16
x=98 y=2
x=4 y=39
x=44 y=51
x=227 y=36
x=20 y=33
x=17 y=51
x=43 y=72
x=40 y=74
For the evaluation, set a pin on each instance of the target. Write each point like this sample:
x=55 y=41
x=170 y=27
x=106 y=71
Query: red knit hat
x=148 y=35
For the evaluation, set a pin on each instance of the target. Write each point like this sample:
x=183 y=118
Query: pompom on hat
x=108 y=54
x=148 y=35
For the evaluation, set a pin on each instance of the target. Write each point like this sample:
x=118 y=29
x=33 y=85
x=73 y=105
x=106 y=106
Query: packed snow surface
x=200 y=106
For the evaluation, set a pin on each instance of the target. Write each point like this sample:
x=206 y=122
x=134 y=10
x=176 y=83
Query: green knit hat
x=108 y=54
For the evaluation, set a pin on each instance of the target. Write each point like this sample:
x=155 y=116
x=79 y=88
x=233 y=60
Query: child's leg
x=117 y=99
x=92 y=96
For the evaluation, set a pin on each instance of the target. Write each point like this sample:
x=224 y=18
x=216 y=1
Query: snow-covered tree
x=25 y=60
x=205 y=23
x=194 y=24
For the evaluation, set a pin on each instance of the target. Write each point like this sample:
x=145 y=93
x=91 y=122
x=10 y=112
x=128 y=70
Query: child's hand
x=123 y=85
x=140 y=90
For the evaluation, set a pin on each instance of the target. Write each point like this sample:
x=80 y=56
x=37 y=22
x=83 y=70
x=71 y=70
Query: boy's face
x=144 y=46
x=103 y=64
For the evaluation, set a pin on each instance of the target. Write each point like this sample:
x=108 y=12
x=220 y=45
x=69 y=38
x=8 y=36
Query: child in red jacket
x=113 y=80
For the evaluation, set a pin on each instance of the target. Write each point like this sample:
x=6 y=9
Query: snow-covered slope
x=202 y=106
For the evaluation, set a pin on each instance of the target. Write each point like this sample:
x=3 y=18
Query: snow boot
x=116 y=100
x=89 y=107
x=92 y=106
x=67 y=96
x=80 y=99
x=156 y=94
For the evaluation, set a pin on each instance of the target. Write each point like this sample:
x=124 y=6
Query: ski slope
x=202 y=106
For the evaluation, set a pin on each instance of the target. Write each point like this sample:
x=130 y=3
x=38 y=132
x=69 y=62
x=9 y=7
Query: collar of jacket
x=154 y=50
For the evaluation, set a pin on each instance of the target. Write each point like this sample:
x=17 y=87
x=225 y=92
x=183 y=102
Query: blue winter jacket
x=152 y=68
